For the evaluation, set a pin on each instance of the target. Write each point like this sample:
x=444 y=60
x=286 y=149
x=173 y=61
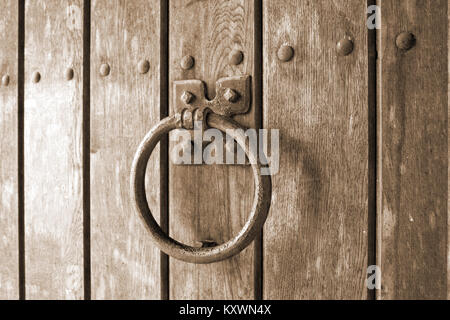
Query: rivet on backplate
x=230 y=95
x=187 y=97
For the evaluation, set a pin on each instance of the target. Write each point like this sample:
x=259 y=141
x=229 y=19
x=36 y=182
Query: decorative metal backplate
x=223 y=104
x=233 y=96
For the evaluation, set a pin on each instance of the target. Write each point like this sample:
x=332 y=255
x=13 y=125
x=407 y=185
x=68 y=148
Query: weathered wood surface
x=413 y=131
x=9 y=251
x=211 y=202
x=124 y=106
x=316 y=237
x=53 y=150
x=448 y=159
x=317 y=242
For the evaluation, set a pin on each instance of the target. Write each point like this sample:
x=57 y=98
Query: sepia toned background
x=363 y=176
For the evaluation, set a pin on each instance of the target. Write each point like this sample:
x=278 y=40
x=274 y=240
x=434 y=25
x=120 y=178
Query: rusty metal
x=5 y=80
x=69 y=74
x=236 y=57
x=345 y=46
x=220 y=105
x=36 y=77
x=230 y=95
x=215 y=114
x=187 y=62
x=405 y=41
x=105 y=69
x=285 y=53
x=143 y=66
x=187 y=97
x=180 y=251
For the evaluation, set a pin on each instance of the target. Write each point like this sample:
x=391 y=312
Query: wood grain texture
x=53 y=150
x=413 y=206
x=9 y=251
x=316 y=237
x=211 y=202
x=124 y=106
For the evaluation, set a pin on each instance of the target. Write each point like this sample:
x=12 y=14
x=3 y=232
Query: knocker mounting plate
x=233 y=96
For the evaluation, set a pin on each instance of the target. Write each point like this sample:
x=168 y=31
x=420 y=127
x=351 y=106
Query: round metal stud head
x=187 y=97
x=285 y=53
x=36 y=77
x=345 y=46
x=143 y=66
x=236 y=57
x=187 y=62
x=230 y=95
x=105 y=69
x=405 y=41
x=5 y=80
x=69 y=74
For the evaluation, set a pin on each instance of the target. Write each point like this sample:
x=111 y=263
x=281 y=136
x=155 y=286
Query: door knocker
x=233 y=97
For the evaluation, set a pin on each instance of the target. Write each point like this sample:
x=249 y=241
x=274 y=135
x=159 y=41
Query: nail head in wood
x=5 y=80
x=405 y=41
x=236 y=57
x=285 y=53
x=187 y=62
x=36 y=77
x=105 y=69
x=345 y=46
x=143 y=66
x=69 y=74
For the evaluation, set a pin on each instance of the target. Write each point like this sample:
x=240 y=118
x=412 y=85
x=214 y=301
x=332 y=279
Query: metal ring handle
x=180 y=251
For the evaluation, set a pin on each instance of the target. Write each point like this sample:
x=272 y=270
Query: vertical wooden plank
x=124 y=106
x=9 y=268
x=448 y=148
x=53 y=150
x=211 y=202
x=316 y=237
x=413 y=206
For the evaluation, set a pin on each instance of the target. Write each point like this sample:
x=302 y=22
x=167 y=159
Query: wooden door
x=362 y=115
